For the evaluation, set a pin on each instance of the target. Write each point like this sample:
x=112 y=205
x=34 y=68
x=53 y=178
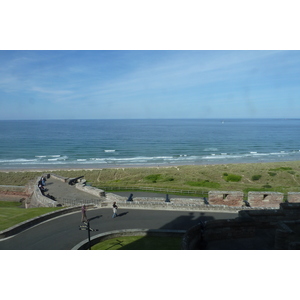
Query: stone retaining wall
x=234 y=198
x=265 y=199
x=58 y=177
x=38 y=199
x=90 y=190
x=293 y=197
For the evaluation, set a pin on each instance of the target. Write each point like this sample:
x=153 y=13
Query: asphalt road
x=62 y=233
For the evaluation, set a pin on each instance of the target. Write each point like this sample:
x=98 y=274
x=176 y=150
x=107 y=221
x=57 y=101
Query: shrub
x=272 y=173
x=153 y=177
x=282 y=169
x=267 y=186
x=169 y=179
x=233 y=178
x=291 y=172
x=204 y=183
x=256 y=177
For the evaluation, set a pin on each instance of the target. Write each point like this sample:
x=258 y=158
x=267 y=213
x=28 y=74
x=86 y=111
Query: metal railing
x=161 y=190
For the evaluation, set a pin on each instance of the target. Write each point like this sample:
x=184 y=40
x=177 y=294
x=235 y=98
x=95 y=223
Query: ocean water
x=46 y=144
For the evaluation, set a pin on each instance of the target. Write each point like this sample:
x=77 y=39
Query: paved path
x=62 y=190
x=62 y=233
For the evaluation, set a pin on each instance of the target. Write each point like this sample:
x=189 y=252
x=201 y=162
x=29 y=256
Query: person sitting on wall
x=42 y=189
x=43 y=180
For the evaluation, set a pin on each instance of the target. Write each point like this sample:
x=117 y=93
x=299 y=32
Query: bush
x=282 y=169
x=267 y=186
x=153 y=177
x=256 y=177
x=169 y=179
x=272 y=173
x=233 y=178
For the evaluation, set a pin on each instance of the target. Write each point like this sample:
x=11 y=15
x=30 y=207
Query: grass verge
x=140 y=243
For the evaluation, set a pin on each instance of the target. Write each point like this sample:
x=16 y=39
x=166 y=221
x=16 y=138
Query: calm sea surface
x=121 y=143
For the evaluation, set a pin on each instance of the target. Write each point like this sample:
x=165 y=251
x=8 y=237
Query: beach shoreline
x=138 y=166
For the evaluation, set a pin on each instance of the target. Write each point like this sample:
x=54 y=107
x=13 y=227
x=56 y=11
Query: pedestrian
x=115 y=208
x=83 y=214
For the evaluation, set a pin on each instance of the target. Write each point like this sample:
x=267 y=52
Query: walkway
x=63 y=192
x=62 y=233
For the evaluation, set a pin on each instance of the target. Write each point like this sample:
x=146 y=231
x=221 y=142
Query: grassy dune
x=278 y=176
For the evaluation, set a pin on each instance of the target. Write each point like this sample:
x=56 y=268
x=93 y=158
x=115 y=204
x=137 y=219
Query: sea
x=91 y=144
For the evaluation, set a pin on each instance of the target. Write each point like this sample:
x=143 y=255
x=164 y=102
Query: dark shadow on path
x=123 y=214
x=183 y=222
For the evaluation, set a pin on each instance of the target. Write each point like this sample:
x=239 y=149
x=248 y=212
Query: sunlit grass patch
x=140 y=243
x=12 y=214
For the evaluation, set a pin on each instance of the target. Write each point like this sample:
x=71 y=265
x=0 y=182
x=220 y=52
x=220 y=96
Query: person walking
x=115 y=208
x=83 y=214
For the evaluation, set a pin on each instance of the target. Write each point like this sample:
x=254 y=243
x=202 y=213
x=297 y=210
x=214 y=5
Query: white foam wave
x=58 y=158
x=109 y=151
x=18 y=160
x=212 y=149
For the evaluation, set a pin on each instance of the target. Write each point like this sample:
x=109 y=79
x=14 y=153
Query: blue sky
x=149 y=84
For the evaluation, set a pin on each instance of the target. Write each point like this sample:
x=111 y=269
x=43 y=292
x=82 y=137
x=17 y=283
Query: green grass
x=281 y=176
x=140 y=243
x=232 y=177
x=11 y=213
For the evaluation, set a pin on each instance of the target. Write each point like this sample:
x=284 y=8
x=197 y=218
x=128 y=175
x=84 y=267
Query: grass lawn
x=11 y=213
x=140 y=243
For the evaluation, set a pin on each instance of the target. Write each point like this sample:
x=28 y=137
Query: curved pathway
x=62 y=233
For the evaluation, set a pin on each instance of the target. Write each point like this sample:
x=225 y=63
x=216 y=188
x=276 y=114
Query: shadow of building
x=252 y=230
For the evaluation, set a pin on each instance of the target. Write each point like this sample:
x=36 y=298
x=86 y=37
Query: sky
x=125 y=84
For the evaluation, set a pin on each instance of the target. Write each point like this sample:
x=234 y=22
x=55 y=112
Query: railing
x=162 y=190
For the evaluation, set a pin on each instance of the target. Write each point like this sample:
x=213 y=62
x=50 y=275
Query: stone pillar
x=293 y=197
x=265 y=199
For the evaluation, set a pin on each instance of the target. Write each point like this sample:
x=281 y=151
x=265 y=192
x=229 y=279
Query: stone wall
x=58 y=177
x=229 y=229
x=260 y=229
x=265 y=199
x=38 y=200
x=293 y=197
x=234 y=198
x=90 y=190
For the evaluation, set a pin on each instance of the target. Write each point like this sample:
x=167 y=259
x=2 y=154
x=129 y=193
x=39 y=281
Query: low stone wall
x=90 y=190
x=293 y=197
x=38 y=199
x=234 y=198
x=13 y=189
x=192 y=204
x=265 y=199
x=58 y=177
